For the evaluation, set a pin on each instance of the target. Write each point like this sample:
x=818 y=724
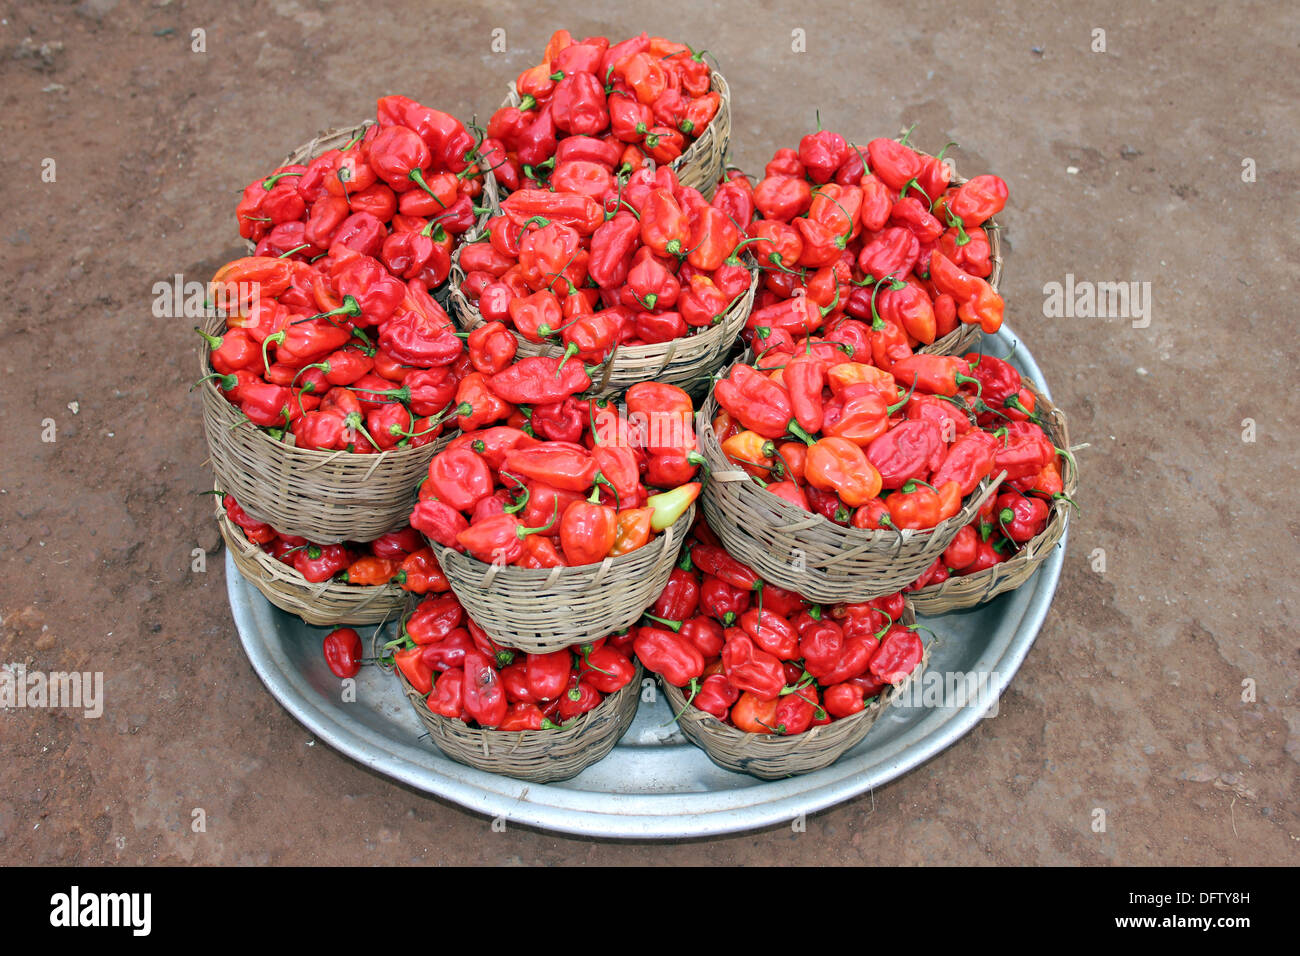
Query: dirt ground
x=1162 y=689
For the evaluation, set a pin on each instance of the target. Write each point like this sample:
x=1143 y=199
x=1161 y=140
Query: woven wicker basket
x=960 y=591
x=687 y=362
x=804 y=552
x=323 y=496
x=544 y=610
x=702 y=164
x=327 y=603
x=771 y=756
x=963 y=338
x=542 y=756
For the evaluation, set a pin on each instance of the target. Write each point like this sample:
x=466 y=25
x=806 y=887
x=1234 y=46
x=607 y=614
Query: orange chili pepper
x=838 y=465
x=747 y=450
x=754 y=715
x=632 y=530
x=370 y=571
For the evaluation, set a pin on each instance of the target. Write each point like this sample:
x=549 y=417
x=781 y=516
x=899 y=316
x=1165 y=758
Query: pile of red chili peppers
x=631 y=261
x=592 y=107
x=875 y=235
x=763 y=659
x=876 y=449
x=563 y=482
x=332 y=331
x=866 y=254
x=399 y=193
x=466 y=675
x=398 y=557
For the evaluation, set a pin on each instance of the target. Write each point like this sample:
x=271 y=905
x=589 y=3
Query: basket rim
x=861 y=536
x=534 y=576
x=272 y=571
x=1031 y=551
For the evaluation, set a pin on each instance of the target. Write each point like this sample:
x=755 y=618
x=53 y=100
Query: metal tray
x=655 y=784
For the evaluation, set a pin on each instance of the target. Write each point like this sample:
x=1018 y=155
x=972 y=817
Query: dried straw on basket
x=687 y=362
x=323 y=496
x=772 y=756
x=804 y=552
x=542 y=756
x=963 y=591
x=701 y=165
x=323 y=604
x=544 y=610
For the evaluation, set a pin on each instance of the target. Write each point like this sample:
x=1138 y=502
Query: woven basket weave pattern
x=546 y=610
x=771 y=756
x=804 y=552
x=542 y=756
x=324 y=604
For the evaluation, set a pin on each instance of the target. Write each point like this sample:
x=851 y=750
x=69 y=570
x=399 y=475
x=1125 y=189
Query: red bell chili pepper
x=772 y=632
x=977 y=303
x=970 y=459
x=668 y=654
x=960 y=554
x=933 y=374
x=899 y=652
x=715 y=696
x=1025 y=450
x=759 y=403
x=748 y=668
x=447 y=697
x=680 y=597
x=607 y=669
x=909 y=450
x=582 y=213
x=706 y=634
x=343 y=652
x=539 y=380
x=556 y=464
x=459 y=477
x=1020 y=518
x=714 y=561
x=587 y=531
x=370 y=571
x=578 y=105
x=410 y=661
x=434 y=619
x=894 y=162
x=722 y=601
x=440 y=522
x=420 y=573
x=547 y=675
x=580 y=698
x=840 y=466
x=978 y=200
x=484 y=697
